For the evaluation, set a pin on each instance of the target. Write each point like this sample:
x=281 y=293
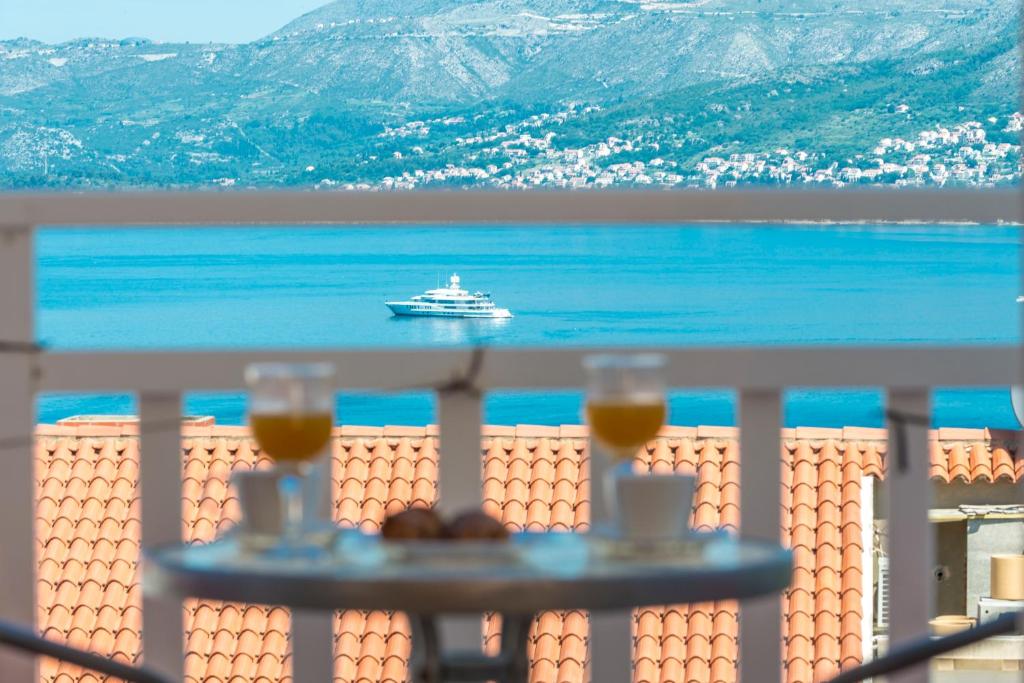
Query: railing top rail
x=519 y=368
x=639 y=207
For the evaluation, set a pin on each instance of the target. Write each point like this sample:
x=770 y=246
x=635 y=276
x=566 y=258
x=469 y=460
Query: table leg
x=515 y=635
x=312 y=646
x=430 y=663
x=425 y=660
x=611 y=647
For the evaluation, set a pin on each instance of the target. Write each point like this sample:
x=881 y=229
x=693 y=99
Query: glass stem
x=289 y=486
x=616 y=468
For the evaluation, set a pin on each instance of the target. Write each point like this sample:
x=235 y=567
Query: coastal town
x=528 y=153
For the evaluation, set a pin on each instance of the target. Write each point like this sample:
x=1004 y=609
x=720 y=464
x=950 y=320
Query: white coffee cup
x=260 y=502
x=654 y=507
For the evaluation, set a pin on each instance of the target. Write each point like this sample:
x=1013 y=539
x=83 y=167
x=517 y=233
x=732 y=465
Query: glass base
x=304 y=547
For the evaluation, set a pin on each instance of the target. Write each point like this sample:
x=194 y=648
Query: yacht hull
x=421 y=311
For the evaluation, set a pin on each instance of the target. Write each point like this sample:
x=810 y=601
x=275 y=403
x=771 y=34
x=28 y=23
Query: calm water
x=104 y=289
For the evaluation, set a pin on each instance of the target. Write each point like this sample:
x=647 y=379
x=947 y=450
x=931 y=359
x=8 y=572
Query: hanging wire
x=10 y=347
x=466 y=383
x=901 y=420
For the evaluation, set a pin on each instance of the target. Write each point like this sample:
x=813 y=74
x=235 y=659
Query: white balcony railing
x=758 y=374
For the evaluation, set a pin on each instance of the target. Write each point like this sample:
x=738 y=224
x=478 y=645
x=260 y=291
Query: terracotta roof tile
x=88 y=536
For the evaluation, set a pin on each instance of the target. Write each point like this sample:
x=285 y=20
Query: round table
x=530 y=574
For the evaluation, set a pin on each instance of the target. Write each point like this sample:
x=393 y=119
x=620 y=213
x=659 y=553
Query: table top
x=529 y=573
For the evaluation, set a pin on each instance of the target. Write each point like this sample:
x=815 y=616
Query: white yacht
x=450 y=302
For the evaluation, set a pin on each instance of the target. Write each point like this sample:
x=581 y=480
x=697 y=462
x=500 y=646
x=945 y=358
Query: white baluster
x=611 y=634
x=160 y=472
x=760 y=503
x=460 y=459
x=17 y=418
x=1020 y=486
x=312 y=631
x=911 y=553
x=460 y=487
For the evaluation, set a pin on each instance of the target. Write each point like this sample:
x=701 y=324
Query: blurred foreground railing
x=25 y=640
x=926 y=648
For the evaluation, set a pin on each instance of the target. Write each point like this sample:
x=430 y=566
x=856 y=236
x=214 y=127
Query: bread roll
x=475 y=525
x=413 y=524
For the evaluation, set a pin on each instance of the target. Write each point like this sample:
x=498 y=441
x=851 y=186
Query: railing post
x=1020 y=481
x=611 y=635
x=460 y=487
x=460 y=459
x=312 y=631
x=910 y=547
x=160 y=472
x=17 y=417
x=760 y=625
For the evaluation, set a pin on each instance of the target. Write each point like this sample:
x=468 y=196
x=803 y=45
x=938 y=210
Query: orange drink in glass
x=291 y=410
x=624 y=425
x=291 y=438
x=625 y=408
x=625 y=404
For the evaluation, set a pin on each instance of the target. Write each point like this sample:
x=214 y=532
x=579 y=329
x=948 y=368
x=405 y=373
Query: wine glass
x=291 y=410
x=625 y=406
x=625 y=400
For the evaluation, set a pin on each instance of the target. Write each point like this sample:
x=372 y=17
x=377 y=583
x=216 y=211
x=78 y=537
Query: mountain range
x=358 y=90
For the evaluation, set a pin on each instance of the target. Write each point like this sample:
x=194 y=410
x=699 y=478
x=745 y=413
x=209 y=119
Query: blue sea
x=665 y=286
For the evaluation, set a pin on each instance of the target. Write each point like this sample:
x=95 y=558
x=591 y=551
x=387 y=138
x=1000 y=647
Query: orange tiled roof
x=87 y=531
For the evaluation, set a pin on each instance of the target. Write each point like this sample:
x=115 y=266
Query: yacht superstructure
x=449 y=302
